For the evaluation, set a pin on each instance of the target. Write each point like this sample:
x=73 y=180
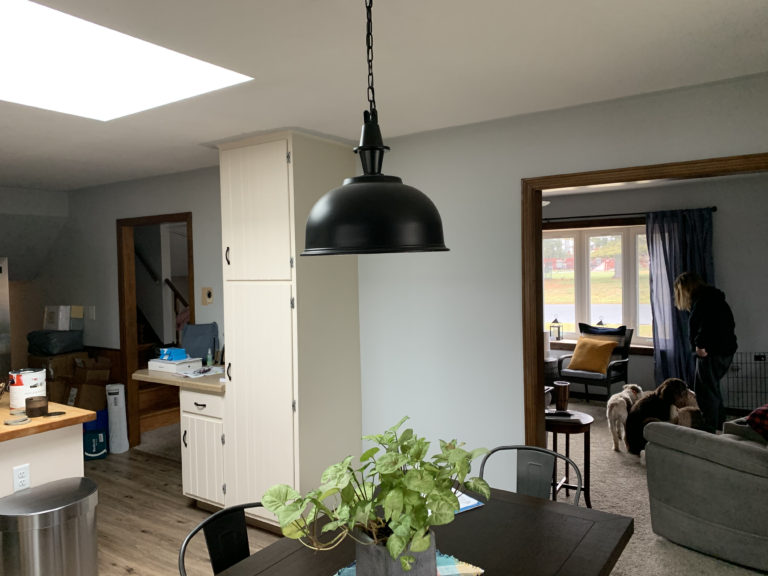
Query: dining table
x=510 y=534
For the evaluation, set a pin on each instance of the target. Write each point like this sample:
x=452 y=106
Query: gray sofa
x=710 y=492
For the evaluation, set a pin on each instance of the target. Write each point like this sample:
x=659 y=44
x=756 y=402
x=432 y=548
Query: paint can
x=24 y=384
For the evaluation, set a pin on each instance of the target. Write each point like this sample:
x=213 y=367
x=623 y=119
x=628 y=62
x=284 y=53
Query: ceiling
x=437 y=63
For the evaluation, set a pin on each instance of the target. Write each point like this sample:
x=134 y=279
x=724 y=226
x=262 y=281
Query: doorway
x=128 y=260
x=532 y=284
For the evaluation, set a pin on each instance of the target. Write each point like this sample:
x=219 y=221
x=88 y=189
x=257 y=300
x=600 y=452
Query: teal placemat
x=446 y=566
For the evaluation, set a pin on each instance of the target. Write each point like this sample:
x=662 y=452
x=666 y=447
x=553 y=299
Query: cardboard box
x=92 y=396
x=58 y=390
x=58 y=366
x=92 y=370
x=63 y=318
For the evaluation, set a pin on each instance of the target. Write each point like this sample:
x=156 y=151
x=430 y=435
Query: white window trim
x=630 y=269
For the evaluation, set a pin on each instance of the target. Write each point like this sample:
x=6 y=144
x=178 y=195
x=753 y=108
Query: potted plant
x=392 y=498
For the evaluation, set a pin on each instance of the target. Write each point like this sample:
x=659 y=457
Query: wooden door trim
x=126 y=288
x=532 y=284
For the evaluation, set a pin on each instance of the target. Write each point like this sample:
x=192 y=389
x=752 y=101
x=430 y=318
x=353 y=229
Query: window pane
x=559 y=284
x=644 y=316
x=605 y=287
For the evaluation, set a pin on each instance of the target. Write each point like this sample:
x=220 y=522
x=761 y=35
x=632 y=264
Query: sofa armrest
x=741 y=428
x=724 y=449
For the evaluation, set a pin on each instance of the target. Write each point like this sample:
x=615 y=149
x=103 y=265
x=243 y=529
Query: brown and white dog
x=672 y=402
x=617 y=409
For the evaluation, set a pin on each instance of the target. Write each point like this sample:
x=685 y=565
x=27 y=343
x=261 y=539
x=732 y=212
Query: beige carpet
x=618 y=485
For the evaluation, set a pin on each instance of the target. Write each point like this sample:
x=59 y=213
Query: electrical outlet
x=20 y=477
x=207 y=296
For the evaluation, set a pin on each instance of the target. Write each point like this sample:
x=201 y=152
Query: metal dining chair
x=226 y=536
x=537 y=472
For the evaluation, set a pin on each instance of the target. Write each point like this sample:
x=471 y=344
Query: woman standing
x=712 y=337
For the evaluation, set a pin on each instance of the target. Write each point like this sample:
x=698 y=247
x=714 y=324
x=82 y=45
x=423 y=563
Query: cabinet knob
x=229 y=375
x=200 y=406
x=226 y=256
x=184 y=439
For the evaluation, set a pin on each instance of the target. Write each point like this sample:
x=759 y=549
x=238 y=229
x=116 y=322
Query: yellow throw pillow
x=592 y=355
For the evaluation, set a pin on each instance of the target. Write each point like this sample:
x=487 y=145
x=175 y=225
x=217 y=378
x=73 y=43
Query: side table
x=577 y=423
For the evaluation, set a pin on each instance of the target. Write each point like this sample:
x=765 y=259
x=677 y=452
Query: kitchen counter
x=51 y=447
x=41 y=424
x=210 y=383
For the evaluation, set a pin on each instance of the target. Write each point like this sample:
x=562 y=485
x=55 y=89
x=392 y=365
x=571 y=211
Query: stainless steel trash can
x=50 y=530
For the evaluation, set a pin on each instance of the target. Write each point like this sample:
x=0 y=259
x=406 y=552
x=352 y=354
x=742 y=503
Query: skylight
x=57 y=62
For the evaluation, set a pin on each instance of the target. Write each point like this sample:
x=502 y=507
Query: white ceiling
x=437 y=63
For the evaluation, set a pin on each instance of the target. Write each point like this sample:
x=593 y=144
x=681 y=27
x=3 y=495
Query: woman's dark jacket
x=711 y=324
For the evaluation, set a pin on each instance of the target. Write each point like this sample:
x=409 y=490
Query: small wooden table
x=577 y=423
x=510 y=534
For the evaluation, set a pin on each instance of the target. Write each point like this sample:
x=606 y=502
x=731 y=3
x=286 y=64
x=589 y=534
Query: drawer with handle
x=200 y=403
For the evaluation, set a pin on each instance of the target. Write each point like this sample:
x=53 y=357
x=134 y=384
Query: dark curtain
x=678 y=241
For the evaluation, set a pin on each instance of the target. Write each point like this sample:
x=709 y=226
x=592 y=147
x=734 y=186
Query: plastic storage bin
x=50 y=530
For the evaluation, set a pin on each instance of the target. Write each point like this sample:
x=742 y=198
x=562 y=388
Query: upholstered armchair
x=601 y=358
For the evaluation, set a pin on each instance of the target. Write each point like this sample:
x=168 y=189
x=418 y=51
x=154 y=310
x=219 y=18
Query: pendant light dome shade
x=373 y=214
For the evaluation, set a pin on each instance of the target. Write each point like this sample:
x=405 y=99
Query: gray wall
x=441 y=333
x=83 y=266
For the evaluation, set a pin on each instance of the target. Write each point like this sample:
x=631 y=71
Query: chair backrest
x=622 y=335
x=536 y=470
x=226 y=535
x=197 y=339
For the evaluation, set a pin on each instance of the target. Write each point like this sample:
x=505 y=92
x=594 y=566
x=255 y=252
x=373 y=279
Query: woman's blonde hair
x=685 y=285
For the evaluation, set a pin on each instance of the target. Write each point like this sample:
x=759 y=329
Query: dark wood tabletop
x=510 y=534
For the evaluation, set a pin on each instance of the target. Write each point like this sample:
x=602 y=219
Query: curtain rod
x=605 y=216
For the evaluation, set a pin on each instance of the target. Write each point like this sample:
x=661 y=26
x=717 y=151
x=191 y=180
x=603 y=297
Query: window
x=599 y=276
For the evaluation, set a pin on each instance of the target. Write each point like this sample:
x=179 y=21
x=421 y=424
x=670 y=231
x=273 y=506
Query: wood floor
x=142 y=517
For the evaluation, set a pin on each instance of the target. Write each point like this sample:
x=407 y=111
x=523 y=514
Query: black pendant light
x=373 y=213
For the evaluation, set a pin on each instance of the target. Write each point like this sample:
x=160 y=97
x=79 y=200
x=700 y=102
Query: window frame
x=581 y=230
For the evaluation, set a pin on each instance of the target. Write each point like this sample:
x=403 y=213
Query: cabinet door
x=256 y=212
x=258 y=412
x=202 y=466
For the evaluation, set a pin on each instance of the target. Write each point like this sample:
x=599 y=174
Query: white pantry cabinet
x=292 y=404
x=202 y=446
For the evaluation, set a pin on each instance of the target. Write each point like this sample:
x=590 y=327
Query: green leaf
x=406 y=563
x=420 y=541
x=277 y=496
x=390 y=462
x=337 y=475
x=368 y=454
x=289 y=514
x=480 y=486
x=395 y=545
x=419 y=481
x=294 y=531
x=393 y=504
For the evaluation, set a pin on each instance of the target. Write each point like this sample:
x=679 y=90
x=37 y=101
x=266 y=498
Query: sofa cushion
x=740 y=427
x=758 y=421
x=592 y=355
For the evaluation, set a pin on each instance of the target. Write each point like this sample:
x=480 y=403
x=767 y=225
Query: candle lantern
x=556 y=330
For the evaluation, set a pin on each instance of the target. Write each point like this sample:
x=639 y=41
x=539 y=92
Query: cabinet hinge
x=224 y=488
x=293 y=404
x=293 y=302
x=222 y=440
x=288 y=157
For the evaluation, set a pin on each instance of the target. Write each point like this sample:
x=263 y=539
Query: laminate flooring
x=143 y=517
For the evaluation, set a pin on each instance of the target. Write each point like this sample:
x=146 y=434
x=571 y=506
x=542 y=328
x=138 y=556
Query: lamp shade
x=371 y=214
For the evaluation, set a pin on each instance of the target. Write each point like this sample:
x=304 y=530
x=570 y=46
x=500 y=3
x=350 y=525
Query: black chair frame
x=226 y=536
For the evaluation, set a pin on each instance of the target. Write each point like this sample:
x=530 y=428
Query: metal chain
x=369 y=46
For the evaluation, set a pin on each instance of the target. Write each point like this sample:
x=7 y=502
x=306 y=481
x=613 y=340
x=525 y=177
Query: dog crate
x=745 y=386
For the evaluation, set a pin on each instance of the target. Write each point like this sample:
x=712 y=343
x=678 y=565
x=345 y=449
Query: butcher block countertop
x=210 y=383
x=40 y=424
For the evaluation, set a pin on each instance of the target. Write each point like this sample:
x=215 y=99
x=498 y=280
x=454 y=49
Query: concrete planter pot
x=374 y=560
